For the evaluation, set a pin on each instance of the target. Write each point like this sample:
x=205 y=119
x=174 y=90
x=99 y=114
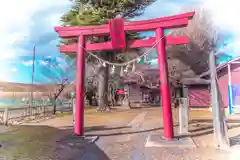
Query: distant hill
x=20 y=89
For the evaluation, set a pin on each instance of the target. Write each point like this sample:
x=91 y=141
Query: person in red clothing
x=121 y=94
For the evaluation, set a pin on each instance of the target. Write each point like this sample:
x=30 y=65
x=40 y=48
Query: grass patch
x=26 y=141
x=31 y=141
x=2 y=108
x=64 y=114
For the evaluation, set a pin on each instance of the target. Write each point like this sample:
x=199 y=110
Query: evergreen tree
x=95 y=12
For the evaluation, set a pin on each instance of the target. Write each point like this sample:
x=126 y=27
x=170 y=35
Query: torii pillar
x=164 y=86
x=117 y=29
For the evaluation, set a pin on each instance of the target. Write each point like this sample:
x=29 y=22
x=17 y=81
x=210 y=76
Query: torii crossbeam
x=117 y=29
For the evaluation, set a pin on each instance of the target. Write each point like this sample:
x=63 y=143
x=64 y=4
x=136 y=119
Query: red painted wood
x=130 y=23
x=164 y=86
x=153 y=26
x=170 y=40
x=117 y=34
x=80 y=74
x=147 y=25
x=137 y=28
x=92 y=32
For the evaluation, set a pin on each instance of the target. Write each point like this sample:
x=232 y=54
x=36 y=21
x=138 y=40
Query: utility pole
x=219 y=122
x=33 y=70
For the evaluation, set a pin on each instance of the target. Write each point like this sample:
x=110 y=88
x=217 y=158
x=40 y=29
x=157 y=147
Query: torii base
x=159 y=141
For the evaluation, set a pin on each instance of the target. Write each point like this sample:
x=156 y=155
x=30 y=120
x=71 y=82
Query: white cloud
x=4 y=74
x=153 y=10
x=62 y=63
x=54 y=43
x=43 y=63
x=15 y=26
x=6 y=53
x=234 y=48
x=3 y=78
x=224 y=15
x=27 y=63
x=162 y=8
x=14 y=69
x=11 y=61
x=60 y=60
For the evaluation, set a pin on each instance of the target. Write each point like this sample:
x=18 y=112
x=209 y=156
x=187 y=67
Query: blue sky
x=31 y=23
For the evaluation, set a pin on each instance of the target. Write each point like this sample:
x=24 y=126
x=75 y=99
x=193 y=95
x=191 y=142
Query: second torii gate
x=117 y=29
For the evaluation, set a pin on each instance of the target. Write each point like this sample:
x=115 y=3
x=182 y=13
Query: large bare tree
x=203 y=36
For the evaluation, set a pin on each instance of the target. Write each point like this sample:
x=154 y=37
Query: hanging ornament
x=133 y=67
x=126 y=69
x=139 y=59
x=145 y=59
x=104 y=64
x=121 y=72
x=113 y=69
x=99 y=64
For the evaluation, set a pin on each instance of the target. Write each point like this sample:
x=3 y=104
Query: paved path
x=129 y=144
x=123 y=138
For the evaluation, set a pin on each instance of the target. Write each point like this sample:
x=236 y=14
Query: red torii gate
x=117 y=29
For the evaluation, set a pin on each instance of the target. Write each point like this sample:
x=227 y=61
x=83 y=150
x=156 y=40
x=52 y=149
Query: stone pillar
x=183 y=116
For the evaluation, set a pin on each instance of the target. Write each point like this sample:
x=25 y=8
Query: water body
x=18 y=103
x=11 y=103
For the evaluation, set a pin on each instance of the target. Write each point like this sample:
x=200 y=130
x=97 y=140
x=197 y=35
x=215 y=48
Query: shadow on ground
x=124 y=133
x=235 y=140
x=104 y=128
x=44 y=142
x=197 y=127
x=210 y=121
x=201 y=127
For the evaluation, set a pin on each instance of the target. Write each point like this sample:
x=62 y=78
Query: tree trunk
x=56 y=95
x=54 y=106
x=103 y=86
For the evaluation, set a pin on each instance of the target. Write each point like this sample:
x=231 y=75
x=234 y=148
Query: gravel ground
x=131 y=146
x=122 y=136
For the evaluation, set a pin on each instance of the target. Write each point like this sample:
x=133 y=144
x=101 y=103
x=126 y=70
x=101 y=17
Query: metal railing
x=12 y=115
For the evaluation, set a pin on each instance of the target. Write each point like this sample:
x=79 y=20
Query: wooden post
x=5 y=116
x=219 y=123
x=183 y=116
x=44 y=109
